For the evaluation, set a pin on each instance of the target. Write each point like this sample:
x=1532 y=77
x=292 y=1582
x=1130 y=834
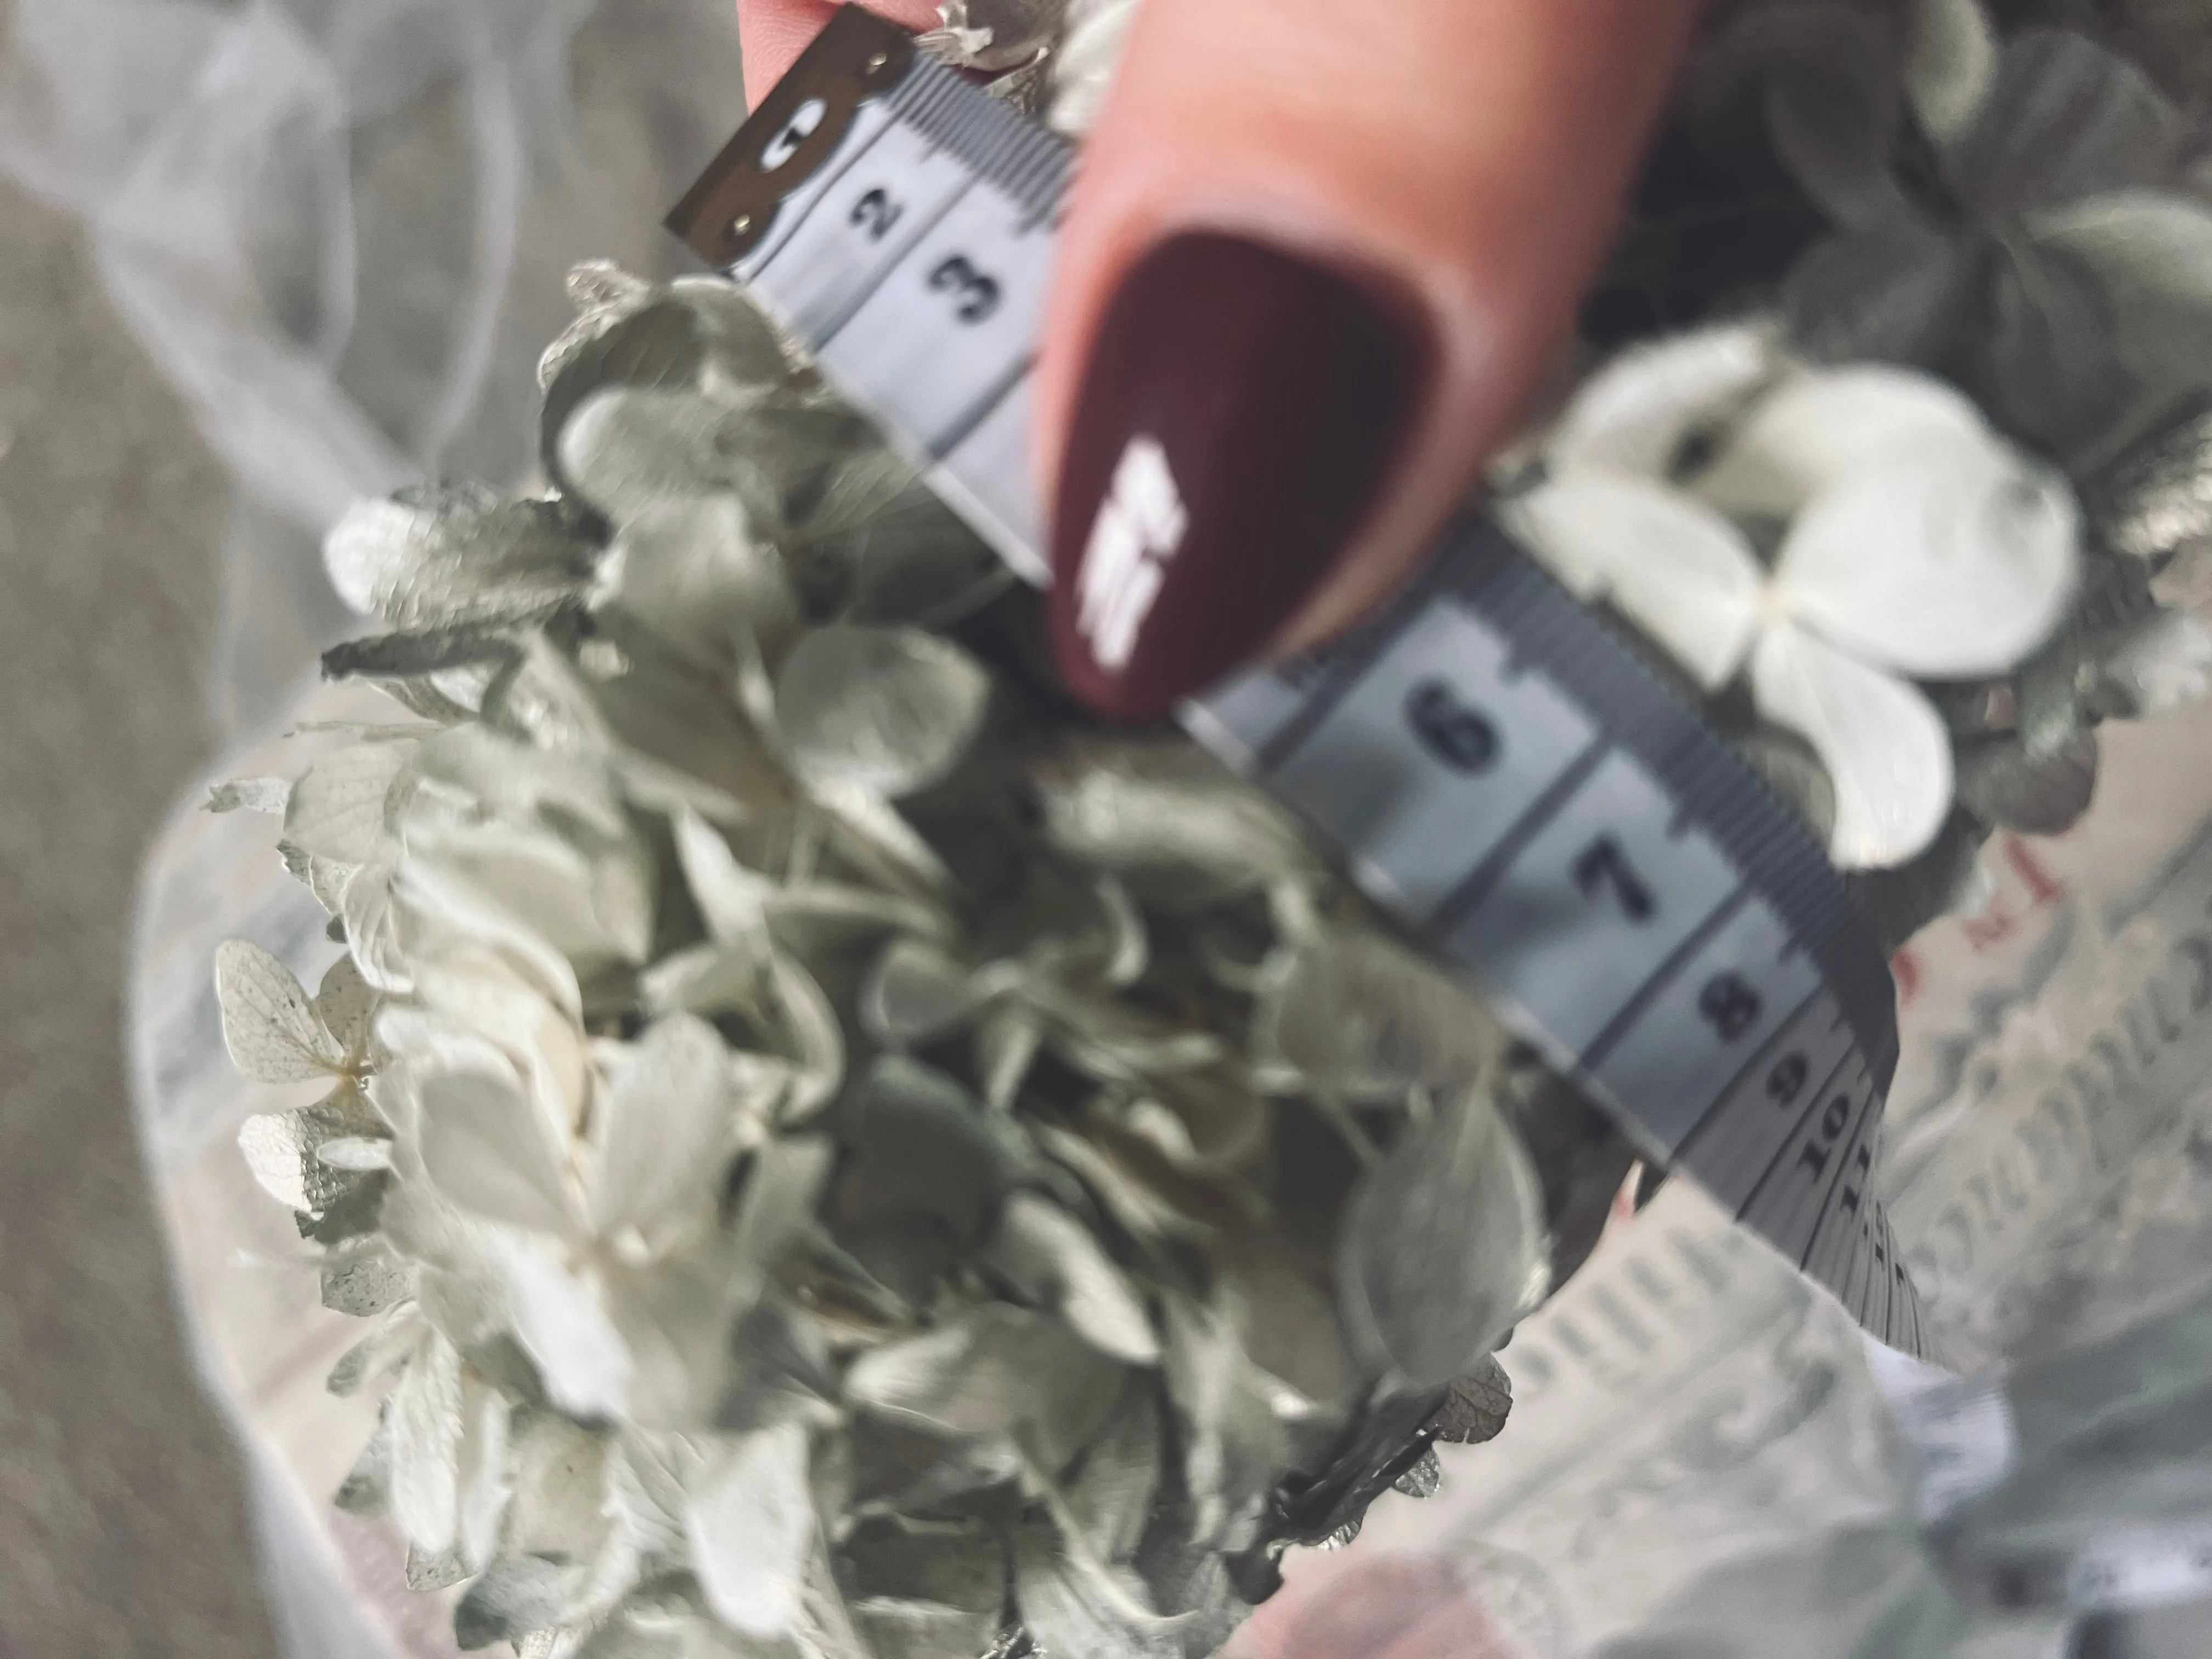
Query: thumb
x=1316 y=263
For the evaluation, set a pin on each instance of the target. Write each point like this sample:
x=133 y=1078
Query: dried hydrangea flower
x=819 y=1093
x=1834 y=533
x=2046 y=254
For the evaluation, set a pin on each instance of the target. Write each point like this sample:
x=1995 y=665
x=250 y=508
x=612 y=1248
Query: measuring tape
x=1494 y=766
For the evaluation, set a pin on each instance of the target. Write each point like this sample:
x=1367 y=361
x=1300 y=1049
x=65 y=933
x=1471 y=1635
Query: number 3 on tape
x=1495 y=766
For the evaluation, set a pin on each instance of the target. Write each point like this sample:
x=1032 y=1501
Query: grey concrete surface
x=123 y=1530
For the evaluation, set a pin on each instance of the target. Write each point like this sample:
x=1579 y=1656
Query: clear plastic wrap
x=341 y=227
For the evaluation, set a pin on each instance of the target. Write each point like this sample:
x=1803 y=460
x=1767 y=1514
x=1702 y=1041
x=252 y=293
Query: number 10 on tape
x=1493 y=764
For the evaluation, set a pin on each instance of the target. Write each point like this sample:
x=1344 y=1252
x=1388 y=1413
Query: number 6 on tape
x=1493 y=764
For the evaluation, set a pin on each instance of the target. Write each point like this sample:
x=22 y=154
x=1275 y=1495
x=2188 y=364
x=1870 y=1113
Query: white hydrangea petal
x=628 y=450
x=1636 y=413
x=268 y=1024
x=1820 y=427
x=447 y=913
x=338 y=811
x=482 y=1470
x=750 y=1525
x=662 y=1128
x=345 y=1007
x=2152 y=240
x=355 y=1154
x=1884 y=746
x=733 y=900
x=476 y=991
x=1950 y=566
x=371 y=926
x=422 y=1419
x=546 y=881
x=1950 y=64
x=1679 y=571
x=485 y=1147
x=890 y=710
x=560 y=1323
x=692 y=570
x=674 y=1317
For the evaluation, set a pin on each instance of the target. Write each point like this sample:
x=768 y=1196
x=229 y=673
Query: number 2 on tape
x=1494 y=765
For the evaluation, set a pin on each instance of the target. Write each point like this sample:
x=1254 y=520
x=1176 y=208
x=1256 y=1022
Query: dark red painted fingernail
x=1239 y=411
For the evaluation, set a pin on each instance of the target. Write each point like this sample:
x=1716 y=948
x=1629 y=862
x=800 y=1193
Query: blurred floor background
x=123 y=1530
x=152 y=613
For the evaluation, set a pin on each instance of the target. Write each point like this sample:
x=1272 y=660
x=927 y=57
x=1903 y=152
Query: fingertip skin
x=771 y=33
x=1459 y=162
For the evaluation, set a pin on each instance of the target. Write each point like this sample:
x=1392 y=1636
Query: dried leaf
x=250 y=795
x=372 y=927
x=1165 y=814
x=1424 y=1479
x=1111 y=1496
x=897 y=1629
x=1089 y=52
x=2065 y=119
x=921 y=1146
x=1832 y=109
x=284 y=1150
x=1476 y=1408
x=895 y=553
x=365 y=1280
x=991 y=35
x=366 y=1491
x=2162 y=664
x=915 y=994
x=627 y=451
x=2001 y=784
x=586 y=1363
x=1232 y=1443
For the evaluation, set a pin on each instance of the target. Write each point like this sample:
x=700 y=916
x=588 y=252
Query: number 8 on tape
x=1493 y=764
